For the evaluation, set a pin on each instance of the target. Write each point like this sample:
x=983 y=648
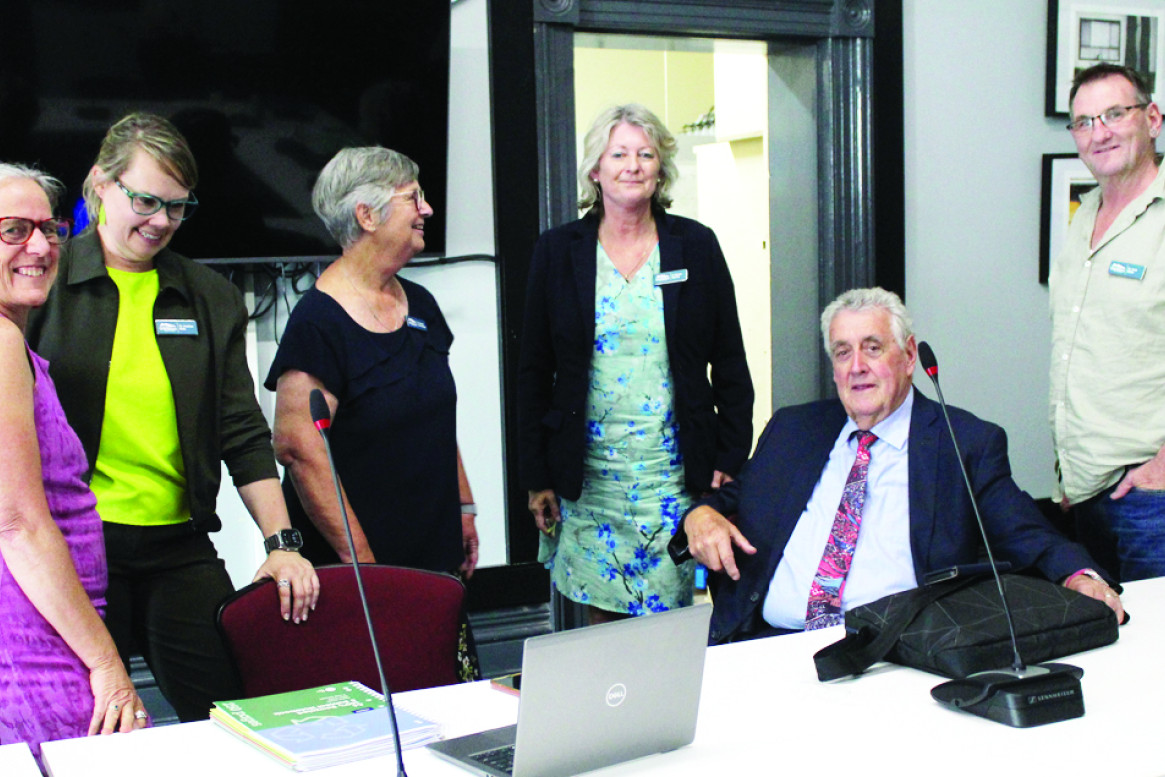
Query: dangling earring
x=101 y=213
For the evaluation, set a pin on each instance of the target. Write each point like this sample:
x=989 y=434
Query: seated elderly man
x=848 y=500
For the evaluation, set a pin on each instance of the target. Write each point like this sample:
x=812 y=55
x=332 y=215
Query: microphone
x=321 y=417
x=1020 y=696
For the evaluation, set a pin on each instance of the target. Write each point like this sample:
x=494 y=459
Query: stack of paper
x=323 y=726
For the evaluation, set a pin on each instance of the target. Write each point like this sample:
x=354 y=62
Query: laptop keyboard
x=500 y=758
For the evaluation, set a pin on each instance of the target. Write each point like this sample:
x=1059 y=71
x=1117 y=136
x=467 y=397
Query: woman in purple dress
x=60 y=674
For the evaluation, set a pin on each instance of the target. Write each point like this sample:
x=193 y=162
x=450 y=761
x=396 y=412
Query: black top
x=394 y=434
x=703 y=330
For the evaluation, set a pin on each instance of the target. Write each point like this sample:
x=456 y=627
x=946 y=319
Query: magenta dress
x=44 y=686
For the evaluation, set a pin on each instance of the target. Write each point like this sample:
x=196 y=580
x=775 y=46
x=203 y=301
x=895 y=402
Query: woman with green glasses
x=147 y=351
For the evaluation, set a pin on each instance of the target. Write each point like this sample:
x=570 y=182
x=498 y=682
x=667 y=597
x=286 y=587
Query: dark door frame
x=532 y=99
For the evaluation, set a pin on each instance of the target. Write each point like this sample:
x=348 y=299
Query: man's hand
x=1098 y=589
x=720 y=479
x=1149 y=475
x=710 y=539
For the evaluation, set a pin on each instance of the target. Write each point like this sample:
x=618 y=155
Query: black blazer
x=558 y=334
x=771 y=494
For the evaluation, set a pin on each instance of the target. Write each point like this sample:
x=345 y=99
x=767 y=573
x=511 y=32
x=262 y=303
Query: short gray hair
x=856 y=300
x=52 y=188
x=368 y=175
x=599 y=135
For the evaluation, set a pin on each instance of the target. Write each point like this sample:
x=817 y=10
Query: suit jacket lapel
x=814 y=442
x=671 y=257
x=925 y=436
x=584 y=265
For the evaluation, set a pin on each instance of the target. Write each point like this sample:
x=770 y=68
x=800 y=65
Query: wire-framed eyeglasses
x=1114 y=115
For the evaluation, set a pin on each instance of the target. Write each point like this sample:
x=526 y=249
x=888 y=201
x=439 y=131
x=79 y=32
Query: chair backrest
x=417 y=616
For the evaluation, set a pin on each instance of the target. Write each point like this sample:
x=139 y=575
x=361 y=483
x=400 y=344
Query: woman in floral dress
x=626 y=310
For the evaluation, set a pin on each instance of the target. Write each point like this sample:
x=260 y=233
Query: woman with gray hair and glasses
x=60 y=675
x=377 y=347
x=627 y=310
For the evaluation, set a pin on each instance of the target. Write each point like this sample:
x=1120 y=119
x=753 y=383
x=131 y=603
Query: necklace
x=643 y=254
x=366 y=302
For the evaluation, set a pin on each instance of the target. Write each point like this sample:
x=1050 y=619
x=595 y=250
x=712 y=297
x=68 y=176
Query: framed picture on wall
x=1083 y=33
x=1065 y=180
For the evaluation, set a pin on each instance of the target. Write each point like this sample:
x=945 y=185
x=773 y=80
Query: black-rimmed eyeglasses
x=149 y=204
x=1114 y=115
x=16 y=231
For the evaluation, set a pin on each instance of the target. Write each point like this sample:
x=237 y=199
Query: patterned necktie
x=825 y=596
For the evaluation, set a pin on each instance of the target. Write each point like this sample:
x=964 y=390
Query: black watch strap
x=284 y=539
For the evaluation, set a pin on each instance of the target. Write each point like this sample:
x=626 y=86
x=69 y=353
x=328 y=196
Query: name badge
x=416 y=323
x=1127 y=270
x=675 y=276
x=176 y=326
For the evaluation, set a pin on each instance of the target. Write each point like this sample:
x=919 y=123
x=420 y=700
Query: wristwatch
x=284 y=539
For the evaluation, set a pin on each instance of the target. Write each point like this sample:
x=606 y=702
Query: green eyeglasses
x=148 y=204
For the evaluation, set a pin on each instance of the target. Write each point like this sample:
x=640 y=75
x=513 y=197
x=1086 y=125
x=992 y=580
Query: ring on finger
x=114 y=707
x=284 y=583
x=141 y=715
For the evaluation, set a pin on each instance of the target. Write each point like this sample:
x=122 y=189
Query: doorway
x=712 y=95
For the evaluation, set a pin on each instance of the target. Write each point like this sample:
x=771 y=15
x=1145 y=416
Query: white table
x=763 y=711
x=16 y=761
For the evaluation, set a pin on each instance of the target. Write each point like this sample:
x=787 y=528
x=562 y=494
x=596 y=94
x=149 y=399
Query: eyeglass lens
x=18 y=231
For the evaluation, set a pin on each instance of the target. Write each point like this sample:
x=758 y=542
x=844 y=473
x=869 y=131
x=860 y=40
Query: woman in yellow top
x=147 y=351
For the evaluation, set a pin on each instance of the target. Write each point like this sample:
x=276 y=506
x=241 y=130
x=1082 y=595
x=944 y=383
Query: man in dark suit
x=915 y=515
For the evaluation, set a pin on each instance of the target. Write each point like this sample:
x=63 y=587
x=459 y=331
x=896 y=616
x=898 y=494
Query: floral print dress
x=610 y=550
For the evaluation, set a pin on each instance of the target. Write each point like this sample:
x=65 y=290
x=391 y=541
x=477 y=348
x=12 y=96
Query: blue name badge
x=1127 y=270
x=417 y=323
x=176 y=326
x=675 y=276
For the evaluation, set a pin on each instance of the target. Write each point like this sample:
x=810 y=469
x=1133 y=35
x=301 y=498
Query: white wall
x=975 y=133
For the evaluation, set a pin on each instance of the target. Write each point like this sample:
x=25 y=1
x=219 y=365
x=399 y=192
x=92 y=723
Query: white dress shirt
x=882 y=562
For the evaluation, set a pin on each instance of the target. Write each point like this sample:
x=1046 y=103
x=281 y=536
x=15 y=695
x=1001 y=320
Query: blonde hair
x=599 y=135
x=147 y=132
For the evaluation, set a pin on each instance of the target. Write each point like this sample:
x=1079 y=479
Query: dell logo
x=616 y=694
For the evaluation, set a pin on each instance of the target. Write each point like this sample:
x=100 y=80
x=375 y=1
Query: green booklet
x=322 y=726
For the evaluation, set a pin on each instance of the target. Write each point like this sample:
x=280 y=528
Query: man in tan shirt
x=1108 y=329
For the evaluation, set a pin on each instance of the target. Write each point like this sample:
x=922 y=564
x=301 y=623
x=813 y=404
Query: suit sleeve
x=1018 y=531
x=536 y=371
x=731 y=382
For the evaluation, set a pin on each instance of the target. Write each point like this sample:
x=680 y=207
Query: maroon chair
x=418 y=616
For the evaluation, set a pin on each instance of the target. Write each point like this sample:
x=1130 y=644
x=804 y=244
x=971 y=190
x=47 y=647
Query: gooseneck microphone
x=1021 y=696
x=321 y=417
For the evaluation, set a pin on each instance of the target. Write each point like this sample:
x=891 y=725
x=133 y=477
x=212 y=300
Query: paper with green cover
x=322 y=726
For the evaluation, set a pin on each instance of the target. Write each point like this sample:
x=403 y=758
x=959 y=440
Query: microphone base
x=1033 y=696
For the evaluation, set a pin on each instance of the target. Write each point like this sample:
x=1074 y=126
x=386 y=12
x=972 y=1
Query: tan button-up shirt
x=1108 y=344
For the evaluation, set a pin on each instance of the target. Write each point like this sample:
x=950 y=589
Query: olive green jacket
x=219 y=419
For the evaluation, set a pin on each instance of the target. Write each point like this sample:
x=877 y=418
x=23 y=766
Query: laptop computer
x=597 y=696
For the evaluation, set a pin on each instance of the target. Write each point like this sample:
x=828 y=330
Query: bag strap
x=860 y=650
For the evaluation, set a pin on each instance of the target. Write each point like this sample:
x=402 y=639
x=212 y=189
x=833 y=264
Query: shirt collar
x=894 y=429
x=87 y=262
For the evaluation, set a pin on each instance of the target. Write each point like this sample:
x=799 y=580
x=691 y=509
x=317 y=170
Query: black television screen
x=266 y=91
